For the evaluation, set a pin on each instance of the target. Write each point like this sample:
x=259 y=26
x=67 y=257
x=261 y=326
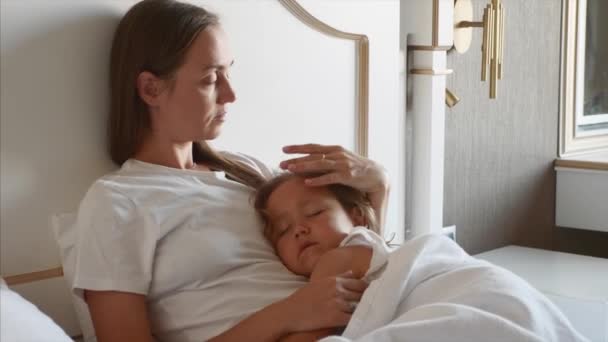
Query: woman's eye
x=211 y=79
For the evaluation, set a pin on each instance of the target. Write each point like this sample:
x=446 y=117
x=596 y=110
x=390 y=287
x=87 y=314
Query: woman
x=169 y=245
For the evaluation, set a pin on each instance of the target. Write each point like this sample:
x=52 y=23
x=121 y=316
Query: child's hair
x=347 y=196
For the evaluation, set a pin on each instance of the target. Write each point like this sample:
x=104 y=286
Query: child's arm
x=332 y=263
x=341 y=260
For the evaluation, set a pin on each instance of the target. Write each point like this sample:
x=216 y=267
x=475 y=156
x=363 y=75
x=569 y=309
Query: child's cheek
x=285 y=253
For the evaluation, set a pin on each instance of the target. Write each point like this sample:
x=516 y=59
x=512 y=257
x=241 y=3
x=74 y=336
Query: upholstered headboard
x=309 y=71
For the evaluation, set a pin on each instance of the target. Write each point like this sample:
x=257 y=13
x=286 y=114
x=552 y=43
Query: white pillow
x=22 y=321
x=64 y=228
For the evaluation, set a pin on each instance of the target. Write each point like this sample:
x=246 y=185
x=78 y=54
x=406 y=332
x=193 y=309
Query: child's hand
x=324 y=303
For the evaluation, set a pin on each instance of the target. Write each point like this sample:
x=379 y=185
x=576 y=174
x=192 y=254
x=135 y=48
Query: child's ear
x=356 y=215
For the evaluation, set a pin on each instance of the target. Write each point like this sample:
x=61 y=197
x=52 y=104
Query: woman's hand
x=303 y=316
x=324 y=303
x=337 y=165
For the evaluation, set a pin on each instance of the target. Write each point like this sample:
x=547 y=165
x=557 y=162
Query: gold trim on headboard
x=432 y=72
x=435 y=42
x=34 y=276
x=428 y=48
x=362 y=44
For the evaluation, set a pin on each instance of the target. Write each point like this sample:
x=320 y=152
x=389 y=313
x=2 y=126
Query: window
x=584 y=77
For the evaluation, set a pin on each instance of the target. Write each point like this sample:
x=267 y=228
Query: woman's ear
x=356 y=215
x=149 y=88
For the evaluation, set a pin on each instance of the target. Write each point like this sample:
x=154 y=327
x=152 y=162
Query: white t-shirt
x=188 y=240
x=361 y=236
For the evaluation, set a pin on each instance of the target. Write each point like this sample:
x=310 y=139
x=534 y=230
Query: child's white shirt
x=361 y=236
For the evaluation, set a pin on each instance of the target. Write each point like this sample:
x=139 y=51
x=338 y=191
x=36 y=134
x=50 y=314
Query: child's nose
x=301 y=230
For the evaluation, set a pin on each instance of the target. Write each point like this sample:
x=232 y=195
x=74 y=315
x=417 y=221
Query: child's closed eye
x=280 y=231
x=316 y=212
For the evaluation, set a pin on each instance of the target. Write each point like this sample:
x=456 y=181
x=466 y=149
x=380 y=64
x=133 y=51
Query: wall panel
x=499 y=177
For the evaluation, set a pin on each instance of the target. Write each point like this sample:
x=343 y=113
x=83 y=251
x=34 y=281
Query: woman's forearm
x=379 y=201
x=268 y=324
x=319 y=304
x=309 y=336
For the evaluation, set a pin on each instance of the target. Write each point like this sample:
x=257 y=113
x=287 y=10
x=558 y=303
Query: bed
x=298 y=63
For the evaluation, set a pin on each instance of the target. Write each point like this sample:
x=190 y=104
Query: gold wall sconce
x=450 y=98
x=492 y=47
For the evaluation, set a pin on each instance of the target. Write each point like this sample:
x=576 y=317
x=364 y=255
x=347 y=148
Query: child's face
x=305 y=222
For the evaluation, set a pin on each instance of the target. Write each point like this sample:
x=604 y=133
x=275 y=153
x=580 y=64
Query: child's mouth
x=306 y=246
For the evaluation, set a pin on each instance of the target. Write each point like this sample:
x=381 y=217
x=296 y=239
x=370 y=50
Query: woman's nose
x=226 y=92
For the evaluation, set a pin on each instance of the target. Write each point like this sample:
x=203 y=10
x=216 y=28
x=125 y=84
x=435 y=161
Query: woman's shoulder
x=131 y=176
x=107 y=182
x=104 y=193
x=111 y=191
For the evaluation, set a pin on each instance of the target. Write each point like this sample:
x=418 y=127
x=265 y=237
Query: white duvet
x=21 y=321
x=432 y=290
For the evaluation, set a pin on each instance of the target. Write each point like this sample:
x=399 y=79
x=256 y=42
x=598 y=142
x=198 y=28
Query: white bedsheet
x=21 y=321
x=432 y=290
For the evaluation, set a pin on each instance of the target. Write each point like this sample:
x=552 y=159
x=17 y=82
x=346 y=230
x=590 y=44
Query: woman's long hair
x=155 y=36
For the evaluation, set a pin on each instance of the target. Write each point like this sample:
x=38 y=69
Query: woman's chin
x=213 y=134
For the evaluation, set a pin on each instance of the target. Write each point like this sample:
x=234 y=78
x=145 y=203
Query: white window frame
x=572 y=140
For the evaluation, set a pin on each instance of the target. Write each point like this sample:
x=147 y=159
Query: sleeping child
x=430 y=287
x=321 y=231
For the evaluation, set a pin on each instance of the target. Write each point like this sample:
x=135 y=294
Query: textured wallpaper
x=499 y=177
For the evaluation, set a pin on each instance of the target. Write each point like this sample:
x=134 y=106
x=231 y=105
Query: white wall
x=53 y=71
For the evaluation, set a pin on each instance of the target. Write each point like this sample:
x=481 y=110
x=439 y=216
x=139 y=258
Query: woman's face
x=305 y=222
x=196 y=106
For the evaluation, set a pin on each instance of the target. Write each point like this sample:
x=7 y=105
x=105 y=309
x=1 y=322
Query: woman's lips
x=220 y=116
